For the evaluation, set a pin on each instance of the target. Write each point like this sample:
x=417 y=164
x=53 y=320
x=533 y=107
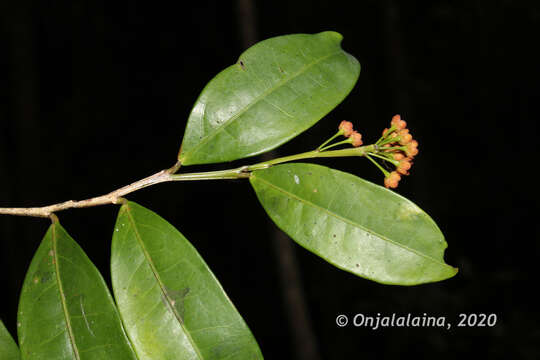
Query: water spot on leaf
x=296 y=179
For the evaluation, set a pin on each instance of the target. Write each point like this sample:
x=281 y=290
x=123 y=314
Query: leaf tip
x=333 y=35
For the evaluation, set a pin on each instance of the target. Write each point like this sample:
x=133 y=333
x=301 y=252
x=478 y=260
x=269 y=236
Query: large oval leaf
x=171 y=304
x=358 y=226
x=277 y=89
x=65 y=309
x=8 y=347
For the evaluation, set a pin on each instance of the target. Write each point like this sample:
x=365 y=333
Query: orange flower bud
x=405 y=139
x=398 y=123
x=399 y=156
x=356 y=139
x=384 y=131
x=346 y=127
x=392 y=180
x=412 y=149
x=404 y=167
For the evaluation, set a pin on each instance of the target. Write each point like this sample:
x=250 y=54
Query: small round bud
x=346 y=127
x=403 y=132
x=412 y=149
x=405 y=139
x=384 y=132
x=392 y=180
x=398 y=123
x=356 y=139
x=399 y=156
x=404 y=166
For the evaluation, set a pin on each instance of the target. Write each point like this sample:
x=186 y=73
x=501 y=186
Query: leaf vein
x=161 y=285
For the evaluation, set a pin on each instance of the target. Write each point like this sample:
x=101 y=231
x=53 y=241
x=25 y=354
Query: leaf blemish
x=84 y=316
x=176 y=300
x=242 y=65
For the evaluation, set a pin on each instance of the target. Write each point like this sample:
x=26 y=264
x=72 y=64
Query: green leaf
x=278 y=88
x=8 y=347
x=353 y=224
x=171 y=304
x=65 y=309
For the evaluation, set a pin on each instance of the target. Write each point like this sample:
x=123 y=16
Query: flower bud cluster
x=399 y=146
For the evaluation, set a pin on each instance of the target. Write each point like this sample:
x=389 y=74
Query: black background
x=95 y=96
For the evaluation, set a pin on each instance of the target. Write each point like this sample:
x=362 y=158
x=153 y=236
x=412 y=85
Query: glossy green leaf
x=277 y=89
x=8 y=347
x=65 y=309
x=171 y=304
x=358 y=226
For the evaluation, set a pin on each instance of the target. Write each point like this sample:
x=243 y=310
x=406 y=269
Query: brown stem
x=110 y=198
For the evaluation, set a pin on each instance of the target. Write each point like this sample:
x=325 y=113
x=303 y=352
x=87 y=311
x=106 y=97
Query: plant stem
x=359 y=151
x=346 y=141
x=238 y=173
x=167 y=175
x=386 y=173
x=385 y=158
x=332 y=138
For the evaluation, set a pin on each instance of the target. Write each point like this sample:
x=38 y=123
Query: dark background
x=95 y=96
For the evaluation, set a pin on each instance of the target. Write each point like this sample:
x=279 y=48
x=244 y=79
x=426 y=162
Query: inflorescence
x=396 y=146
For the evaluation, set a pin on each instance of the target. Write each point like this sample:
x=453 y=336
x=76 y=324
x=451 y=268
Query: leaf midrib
x=382 y=237
x=160 y=283
x=255 y=101
x=62 y=295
